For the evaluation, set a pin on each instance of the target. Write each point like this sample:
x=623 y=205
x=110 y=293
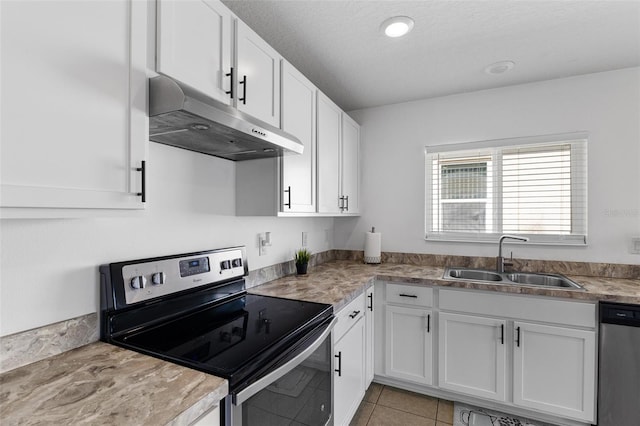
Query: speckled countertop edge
x=339 y=282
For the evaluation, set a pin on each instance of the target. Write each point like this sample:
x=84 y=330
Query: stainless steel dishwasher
x=619 y=372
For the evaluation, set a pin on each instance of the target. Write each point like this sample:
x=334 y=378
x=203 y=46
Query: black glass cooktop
x=232 y=339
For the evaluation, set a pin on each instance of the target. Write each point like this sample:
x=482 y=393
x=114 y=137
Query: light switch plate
x=635 y=245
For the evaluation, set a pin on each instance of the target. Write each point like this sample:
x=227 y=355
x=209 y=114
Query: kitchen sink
x=542 y=280
x=473 y=274
x=518 y=278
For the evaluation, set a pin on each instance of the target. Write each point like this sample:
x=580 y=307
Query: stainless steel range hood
x=182 y=117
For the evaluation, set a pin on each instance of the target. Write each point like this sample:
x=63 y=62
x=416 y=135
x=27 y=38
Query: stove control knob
x=158 y=278
x=225 y=264
x=138 y=282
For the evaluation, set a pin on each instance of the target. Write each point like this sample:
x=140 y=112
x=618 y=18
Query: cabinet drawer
x=348 y=316
x=409 y=295
x=527 y=308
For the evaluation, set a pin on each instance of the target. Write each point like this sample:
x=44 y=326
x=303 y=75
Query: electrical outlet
x=304 y=239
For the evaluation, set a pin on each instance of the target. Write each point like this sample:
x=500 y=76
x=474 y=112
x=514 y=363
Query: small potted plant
x=302 y=258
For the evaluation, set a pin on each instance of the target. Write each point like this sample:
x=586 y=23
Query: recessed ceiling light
x=499 y=67
x=397 y=26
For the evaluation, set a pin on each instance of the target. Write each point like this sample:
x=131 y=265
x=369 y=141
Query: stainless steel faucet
x=500 y=259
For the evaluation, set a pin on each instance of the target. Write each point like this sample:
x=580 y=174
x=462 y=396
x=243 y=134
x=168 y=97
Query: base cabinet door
x=408 y=344
x=369 y=346
x=554 y=370
x=349 y=373
x=472 y=355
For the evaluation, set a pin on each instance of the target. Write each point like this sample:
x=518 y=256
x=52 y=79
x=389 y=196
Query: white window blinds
x=534 y=187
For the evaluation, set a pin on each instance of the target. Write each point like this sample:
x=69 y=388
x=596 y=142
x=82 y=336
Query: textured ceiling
x=338 y=45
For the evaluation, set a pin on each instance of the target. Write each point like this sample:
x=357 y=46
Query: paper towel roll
x=372 y=245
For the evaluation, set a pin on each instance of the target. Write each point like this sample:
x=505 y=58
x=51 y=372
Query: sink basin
x=542 y=280
x=473 y=274
x=518 y=278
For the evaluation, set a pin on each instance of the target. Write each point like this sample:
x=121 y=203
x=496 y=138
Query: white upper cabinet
x=299 y=119
x=257 y=76
x=338 y=160
x=350 y=165
x=329 y=135
x=194 y=45
x=74 y=127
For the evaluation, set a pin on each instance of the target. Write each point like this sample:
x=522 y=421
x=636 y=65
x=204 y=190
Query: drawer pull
x=408 y=295
x=354 y=314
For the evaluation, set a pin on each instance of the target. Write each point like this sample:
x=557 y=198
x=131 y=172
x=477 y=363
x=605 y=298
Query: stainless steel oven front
x=297 y=390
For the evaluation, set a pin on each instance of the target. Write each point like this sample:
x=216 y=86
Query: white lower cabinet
x=525 y=354
x=349 y=361
x=472 y=355
x=553 y=370
x=369 y=345
x=409 y=344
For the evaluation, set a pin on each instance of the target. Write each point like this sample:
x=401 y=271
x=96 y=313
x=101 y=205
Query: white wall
x=49 y=267
x=607 y=105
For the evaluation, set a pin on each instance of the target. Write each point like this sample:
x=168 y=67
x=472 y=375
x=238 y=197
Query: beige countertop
x=339 y=282
x=102 y=384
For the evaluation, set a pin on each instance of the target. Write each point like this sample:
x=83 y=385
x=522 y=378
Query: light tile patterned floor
x=388 y=406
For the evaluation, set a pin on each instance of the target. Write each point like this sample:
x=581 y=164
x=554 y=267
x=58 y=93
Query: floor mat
x=469 y=415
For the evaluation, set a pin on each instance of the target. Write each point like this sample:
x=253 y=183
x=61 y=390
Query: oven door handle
x=256 y=387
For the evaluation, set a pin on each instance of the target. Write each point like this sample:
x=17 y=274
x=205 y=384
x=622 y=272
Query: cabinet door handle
x=346 y=199
x=413 y=296
x=502 y=334
x=339 y=369
x=518 y=336
x=143 y=187
x=230 y=91
x=244 y=90
x=428 y=323
x=370 y=307
x=354 y=314
x=288 y=191
x=341 y=203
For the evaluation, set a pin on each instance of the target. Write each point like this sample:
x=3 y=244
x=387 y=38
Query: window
x=534 y=187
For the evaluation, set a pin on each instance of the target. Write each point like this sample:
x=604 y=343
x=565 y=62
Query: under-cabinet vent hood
x=182 y=117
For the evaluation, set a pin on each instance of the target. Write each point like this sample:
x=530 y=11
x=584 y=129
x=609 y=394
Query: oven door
x=298 y=388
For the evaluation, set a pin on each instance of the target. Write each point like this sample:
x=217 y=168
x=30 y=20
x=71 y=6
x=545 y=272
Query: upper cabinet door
x=350 y=165
x=299 y=119
x=194 y=45
x=329 y=134
x=74 y=127
x=258 y=76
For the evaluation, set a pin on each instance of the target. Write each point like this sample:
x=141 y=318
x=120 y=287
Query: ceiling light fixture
x=499 y=67
x=397 y=26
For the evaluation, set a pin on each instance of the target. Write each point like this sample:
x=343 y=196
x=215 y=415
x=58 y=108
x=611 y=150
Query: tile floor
x=387 y=406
